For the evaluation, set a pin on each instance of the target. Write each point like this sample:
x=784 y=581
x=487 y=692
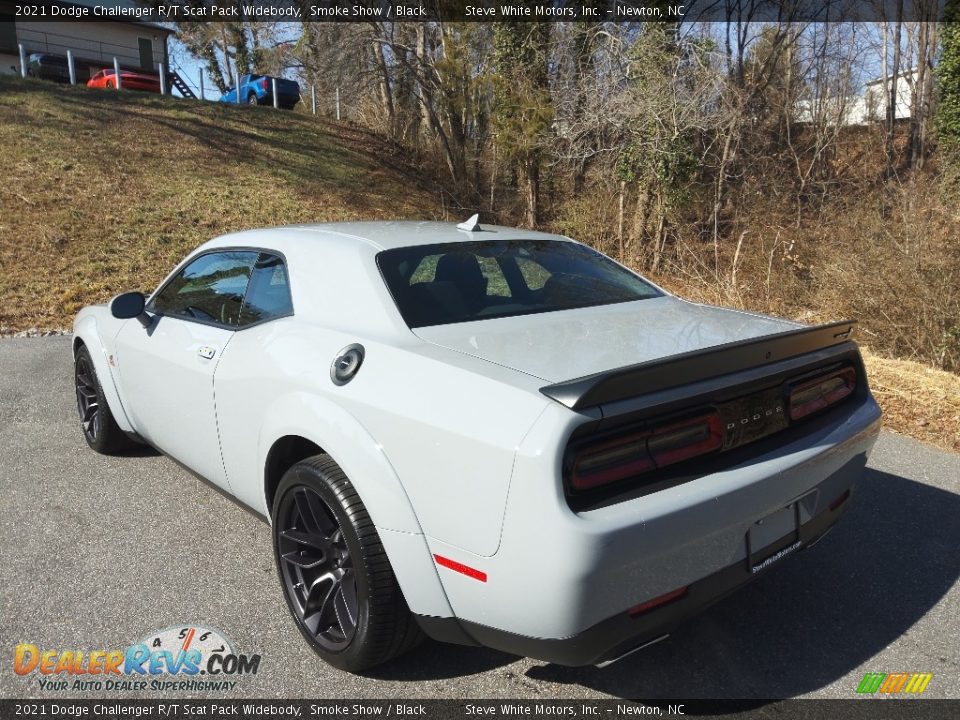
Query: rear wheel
x=334 y=571
x=100 y=430
x=252 y=99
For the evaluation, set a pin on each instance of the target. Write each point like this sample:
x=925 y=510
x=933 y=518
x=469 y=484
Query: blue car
x=258 y=90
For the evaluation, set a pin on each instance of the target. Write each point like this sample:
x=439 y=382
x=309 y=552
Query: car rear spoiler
x=690 y=367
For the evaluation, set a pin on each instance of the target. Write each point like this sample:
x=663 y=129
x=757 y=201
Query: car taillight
x=821 y=392
x=263 y=84
x=641 y=452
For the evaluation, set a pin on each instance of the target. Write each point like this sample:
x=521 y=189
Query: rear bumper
x=562 y=583
x=621 y=634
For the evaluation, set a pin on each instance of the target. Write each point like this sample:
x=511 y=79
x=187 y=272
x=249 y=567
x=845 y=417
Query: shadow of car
x=810 y=621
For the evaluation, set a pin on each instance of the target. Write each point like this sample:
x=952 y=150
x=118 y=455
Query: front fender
x=86 y=329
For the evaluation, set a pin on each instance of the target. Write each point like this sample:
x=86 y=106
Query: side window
x=268 y=294
x=210 y=289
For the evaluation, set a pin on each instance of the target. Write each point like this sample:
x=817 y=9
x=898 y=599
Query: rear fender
x=363 y=461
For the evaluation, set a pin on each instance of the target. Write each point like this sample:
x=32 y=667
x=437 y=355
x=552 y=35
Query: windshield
x=459 y=282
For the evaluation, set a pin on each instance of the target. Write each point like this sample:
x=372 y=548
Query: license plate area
x=773 y=537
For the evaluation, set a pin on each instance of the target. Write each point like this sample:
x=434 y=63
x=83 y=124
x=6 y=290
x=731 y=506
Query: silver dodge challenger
x=488 y=436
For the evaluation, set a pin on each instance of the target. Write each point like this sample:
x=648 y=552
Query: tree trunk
x=531 y=172
x=914 y=150
x=623 y=192
x=892 y=96
x=383 y=85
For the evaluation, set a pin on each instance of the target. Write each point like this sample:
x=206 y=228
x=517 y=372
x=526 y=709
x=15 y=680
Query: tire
x=252 y=99
x=334 y=571
x=99 y=428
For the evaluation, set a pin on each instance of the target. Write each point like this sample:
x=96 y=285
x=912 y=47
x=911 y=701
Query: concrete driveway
x=98 y=553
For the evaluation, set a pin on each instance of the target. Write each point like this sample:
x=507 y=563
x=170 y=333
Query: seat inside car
x=463 y=270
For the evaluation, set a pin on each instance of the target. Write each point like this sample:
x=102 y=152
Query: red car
x=128 y=81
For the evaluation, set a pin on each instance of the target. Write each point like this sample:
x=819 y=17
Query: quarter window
x=209 y=289
x=268 y=293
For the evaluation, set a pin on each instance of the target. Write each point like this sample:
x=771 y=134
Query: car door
x=166 y=369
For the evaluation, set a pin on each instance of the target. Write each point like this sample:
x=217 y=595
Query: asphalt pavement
x=99 y=552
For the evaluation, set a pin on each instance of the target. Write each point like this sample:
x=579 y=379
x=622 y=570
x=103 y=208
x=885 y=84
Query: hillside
x=101 y=192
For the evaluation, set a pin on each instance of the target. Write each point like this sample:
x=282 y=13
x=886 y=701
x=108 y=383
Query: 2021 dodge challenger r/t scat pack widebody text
x=490 y=436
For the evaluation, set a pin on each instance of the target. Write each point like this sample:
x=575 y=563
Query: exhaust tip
x=607 y=663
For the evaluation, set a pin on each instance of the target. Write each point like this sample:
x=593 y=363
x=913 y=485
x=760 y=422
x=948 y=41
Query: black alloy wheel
x=317 y=569
x=88 y=400
x=336 y=578
x=100 y=430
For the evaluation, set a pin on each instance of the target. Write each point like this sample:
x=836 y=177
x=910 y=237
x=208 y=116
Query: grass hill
x=102 y=192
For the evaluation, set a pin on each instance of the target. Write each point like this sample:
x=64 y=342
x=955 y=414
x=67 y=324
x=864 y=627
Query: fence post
x=313 y=98
x=118 y=84
x=71 y=67
x=276 y=100
x=23 y=61
x=338 y=103
x=163 y=78
x=236 y=84
x=201 y=85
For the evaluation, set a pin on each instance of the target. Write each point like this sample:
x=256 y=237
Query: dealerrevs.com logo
x=182 y=657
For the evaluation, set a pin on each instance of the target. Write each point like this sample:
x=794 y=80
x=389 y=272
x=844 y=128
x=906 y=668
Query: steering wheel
x=199 y=313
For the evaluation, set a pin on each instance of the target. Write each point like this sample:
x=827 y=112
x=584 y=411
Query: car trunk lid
x=567 y=344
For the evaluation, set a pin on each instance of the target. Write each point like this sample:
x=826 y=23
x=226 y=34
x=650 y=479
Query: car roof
x=384 y=235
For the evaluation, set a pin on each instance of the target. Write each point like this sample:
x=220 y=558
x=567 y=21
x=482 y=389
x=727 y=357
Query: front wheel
x=334 y=572
x=100 y=430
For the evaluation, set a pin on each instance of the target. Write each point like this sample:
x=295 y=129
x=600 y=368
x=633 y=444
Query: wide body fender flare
x=361 y=458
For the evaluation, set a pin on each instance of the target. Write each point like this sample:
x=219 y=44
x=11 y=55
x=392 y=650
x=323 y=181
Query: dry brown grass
x=917 y=400
x=102 y=192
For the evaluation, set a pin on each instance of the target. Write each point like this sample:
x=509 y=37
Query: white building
x=870 y=107
x=136 y=45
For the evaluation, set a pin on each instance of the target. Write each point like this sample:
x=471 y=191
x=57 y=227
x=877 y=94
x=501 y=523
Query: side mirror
x=130 y=305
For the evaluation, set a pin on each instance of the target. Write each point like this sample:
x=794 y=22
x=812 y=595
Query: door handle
x=207 y=352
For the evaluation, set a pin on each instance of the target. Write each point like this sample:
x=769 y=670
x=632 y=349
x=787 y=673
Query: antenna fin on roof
x=471 y=225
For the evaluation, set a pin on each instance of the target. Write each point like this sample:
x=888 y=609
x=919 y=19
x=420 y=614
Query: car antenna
x=471 y=225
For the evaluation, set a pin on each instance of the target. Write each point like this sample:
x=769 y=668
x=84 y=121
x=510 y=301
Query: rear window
x=459 y=282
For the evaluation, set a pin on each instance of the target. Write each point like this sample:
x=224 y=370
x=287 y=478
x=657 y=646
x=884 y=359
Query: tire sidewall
x=97 y=443
x=305 y=475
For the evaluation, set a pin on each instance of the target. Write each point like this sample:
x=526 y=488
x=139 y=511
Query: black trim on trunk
x=696 y=365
